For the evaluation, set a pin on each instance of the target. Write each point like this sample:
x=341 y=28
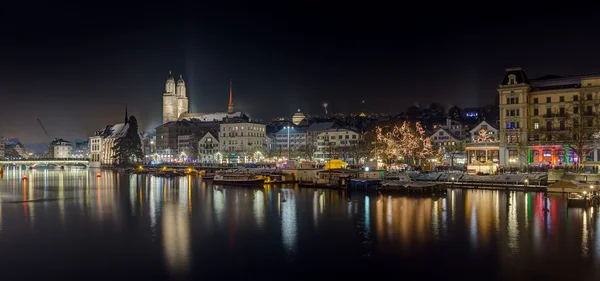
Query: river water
x=72 y=225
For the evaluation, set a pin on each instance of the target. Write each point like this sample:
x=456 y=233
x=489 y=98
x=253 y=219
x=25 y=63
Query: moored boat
x=237 y=179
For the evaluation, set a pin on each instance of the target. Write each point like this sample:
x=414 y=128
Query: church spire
x=126 y=116
x=230 y=106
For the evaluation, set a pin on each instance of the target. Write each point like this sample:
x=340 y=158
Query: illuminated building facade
x=175 y=101
x=532 y=111
x=483 y=150
x=239 y=141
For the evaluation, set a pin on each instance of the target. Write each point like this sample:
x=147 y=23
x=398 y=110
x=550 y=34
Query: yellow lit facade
x=529 y=107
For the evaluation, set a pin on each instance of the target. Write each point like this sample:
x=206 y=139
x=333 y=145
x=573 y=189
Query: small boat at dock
x=238 y=179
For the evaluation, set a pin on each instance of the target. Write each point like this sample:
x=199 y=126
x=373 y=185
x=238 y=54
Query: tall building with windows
x=242 y=141
x=540 y=117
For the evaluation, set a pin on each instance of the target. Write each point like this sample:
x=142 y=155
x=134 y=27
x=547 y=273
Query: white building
x=175 y=100
x=60 y=148
x=336 y=143
x=208 y=146
x=101 y=144
x=443 y=138
x=483 y=149
x=239 y=142
x=455 y=128
x=296 y=137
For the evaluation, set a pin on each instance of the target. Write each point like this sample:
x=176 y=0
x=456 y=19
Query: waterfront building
x=149 y=145
x=315 y=129
x=452 y=146
x=175 y=100
x=336 y=144
x=294 y=136
x=208 y=147
x=167 y=137
x=184 y=147
x=455 y=128
x=242 y=141
x=535 y=112
x=102 y=143
x=60 y=148
x=484 y=144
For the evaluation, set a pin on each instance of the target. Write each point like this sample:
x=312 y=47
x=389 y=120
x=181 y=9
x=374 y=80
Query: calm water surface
x=71 y=225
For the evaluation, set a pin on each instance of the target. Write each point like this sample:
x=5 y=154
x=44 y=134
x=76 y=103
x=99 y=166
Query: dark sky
x=75 y=64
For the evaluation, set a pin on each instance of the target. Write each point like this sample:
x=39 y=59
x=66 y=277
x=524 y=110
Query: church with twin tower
x=175 y=100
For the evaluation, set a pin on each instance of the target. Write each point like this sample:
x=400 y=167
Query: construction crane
x=46 y=132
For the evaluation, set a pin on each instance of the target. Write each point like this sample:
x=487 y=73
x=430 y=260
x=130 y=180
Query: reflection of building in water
x=258 y=206
x=176 y=238
x=61 y=197
x=288 y=220
x=407 y=221
x=219 y=204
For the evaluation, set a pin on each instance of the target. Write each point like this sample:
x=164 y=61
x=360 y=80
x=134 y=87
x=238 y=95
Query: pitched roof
x=320 y=126
x=473 y=131
x=113 y=131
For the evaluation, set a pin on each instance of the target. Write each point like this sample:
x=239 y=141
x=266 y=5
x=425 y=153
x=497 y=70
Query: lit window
x=536 y=125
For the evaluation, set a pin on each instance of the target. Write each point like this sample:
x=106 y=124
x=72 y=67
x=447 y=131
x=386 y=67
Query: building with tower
x=542 y=120
x=175 y=100
x=102 y=143
x=215 y=116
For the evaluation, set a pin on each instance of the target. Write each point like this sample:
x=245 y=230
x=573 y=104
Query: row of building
x=532 y=111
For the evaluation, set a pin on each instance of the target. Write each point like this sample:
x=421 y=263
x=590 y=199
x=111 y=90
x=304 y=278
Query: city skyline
x=77 y=70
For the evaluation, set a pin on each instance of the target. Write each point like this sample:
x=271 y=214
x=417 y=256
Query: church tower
x=170 y=103
x=230 y=106
x=182 y=99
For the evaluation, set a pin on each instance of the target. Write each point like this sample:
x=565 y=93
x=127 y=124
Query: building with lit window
x=60 y=148
x=337 y=144
x=483 y=149
x=208 y=147
x=242 y=141
x=294 y=136
x=533 y=112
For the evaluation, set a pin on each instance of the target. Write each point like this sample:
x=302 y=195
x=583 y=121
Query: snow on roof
x=119 y=130
x=113 y=131
x=209 y=117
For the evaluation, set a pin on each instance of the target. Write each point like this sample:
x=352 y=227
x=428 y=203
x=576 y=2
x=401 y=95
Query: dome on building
x=170 y=78
x=180 y=81
x=298 y=117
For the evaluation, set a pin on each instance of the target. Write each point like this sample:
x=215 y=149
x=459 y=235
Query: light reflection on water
x=192 y=224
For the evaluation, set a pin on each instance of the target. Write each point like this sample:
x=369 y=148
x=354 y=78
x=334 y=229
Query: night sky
x=75 y=65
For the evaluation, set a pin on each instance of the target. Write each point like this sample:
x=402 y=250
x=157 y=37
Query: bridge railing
x=46 y=159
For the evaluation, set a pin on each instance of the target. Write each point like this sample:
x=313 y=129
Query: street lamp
x=288 y=140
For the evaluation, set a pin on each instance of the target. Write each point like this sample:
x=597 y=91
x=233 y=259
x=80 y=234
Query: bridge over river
x=35 y=162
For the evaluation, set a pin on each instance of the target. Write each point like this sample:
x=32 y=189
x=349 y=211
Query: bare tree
x=308 y=150
x=454 y=150
x=361 y=149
